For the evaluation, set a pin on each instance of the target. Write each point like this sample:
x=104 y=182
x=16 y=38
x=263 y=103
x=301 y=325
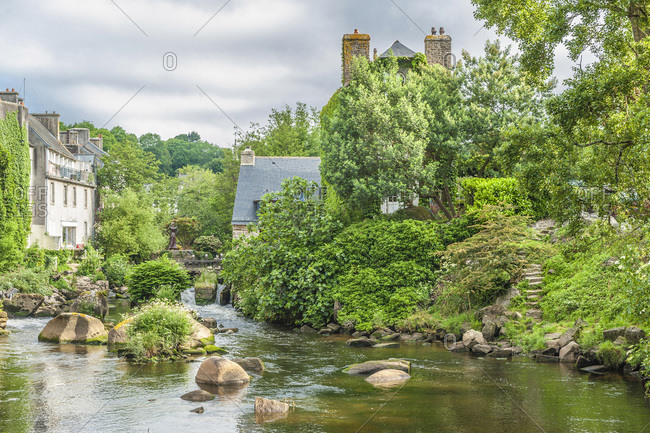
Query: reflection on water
x=47 y=387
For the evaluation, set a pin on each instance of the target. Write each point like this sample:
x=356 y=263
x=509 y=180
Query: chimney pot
x=433 y=30
x=442 y=30
x=356 y=31
x=13 y=90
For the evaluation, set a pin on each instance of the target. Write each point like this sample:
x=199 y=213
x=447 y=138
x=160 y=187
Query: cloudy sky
x=86 y=59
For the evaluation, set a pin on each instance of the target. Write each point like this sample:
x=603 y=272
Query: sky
x=175 y=66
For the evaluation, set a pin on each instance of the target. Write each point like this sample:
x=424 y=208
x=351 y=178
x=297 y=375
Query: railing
x=70 y=173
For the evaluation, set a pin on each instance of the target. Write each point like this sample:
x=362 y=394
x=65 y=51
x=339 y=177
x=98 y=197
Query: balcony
x=63 y=172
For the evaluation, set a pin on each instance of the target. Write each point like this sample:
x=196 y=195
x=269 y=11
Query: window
x=69 y=237
x=85 y=198
x=52 y=193
x=65 y=195
x=86 y=230
x=74 y=196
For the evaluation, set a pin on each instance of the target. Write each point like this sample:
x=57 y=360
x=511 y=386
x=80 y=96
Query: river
x=69 y=388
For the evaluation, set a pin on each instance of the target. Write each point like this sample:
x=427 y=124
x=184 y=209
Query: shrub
x=504 y=191
x=117 y=269
x=147 y=279
x=35 y=280
x=206 y=279
x=99 y=276
x=91 y=263
x=419 y=321
x=158 y=330
x=208 y=244
x=640 y=358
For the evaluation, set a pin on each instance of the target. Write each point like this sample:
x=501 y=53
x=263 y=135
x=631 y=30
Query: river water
x=68 y=388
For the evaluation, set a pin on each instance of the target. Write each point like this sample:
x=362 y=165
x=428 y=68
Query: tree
x=497 y=96
x=288 y=132
x=374 y=144
x=127 y=225
x=128 y=166
x=601 y=117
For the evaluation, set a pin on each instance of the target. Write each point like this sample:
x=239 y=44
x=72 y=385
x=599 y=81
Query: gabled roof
x=266 y=176
x=399 y=50
x=39 y=134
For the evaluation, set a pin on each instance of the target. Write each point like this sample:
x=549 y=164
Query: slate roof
x=39 y=134
x=266 y=176
x=399 y=50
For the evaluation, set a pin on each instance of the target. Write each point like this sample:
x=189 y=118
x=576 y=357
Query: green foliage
x=279 y=275
x=640 y=357
x=117 y=269
x=529 y=339
x=15 y=212
x=418 y=322
x=208 y=244
x=30 y=280
x=459 y=229
x=91 y=263
x=496 y=192
x=418 y=213
x=128 y=166
x=148 y=278
x=479 y=269
x=157 y=331
x=611 y=355
x=207 y=278
x=127 y=225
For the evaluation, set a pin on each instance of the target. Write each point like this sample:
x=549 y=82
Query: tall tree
x=128 y=166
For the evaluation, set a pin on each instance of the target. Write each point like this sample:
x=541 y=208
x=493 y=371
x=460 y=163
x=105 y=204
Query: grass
x=207 y=279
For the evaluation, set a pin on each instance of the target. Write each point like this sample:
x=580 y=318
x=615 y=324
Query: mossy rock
x=211 y=348
x=4 y=332
x=197 y=351
x=208 y=341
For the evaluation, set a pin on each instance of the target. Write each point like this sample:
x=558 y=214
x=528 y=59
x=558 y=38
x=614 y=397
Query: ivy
x=15 y=212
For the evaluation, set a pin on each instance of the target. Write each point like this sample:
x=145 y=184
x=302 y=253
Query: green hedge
x=162 y=278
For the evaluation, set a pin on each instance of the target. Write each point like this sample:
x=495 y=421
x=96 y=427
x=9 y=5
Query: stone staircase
x=533 y=274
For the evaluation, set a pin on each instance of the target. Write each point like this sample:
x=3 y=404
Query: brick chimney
x=354 y=45
x=9 y=95
x=50 y=121
x=98 y=141
x=248 y=156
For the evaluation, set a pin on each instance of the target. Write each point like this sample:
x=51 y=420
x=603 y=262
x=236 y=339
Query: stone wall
x=437 y=49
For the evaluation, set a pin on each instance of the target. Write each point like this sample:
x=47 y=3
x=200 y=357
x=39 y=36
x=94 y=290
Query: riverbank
x=57 y=388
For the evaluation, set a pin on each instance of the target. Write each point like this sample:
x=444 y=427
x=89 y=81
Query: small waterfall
x=222 y=298
x=188 y=297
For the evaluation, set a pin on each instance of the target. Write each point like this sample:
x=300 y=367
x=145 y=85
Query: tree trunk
x=442 y=207
x=447 y=196
x=638 y=19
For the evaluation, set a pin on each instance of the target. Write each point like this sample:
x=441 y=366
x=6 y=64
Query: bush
x=208 y=244
x=91 y=263
x=148 y=278
x=504 y=191
x=35 y=280
x=417 y=322
x=206 y=279
x=640 y=358
x=158 y=330
x=117 y=269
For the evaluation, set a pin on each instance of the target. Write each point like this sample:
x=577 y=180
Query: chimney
x=83 y=135
x=354 y=45
x=50 y=121
x=437 y=48
x=374 y=54
x=9 y=96
x=98 y=141
x=248 y=156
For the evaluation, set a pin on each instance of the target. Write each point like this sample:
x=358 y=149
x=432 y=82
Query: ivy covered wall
x=15 y=212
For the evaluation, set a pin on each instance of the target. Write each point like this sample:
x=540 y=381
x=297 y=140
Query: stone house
x=263 y=174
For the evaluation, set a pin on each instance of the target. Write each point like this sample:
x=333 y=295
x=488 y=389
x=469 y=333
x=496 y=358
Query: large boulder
x=93 y=302
x=490 y=330
x=220 y=371
x=74 y=328
x=471 y=338
x=370 y=367
x=3 y=320
x=493 y=311
x=201 y=335
x=568 y=336
x=481 y=349
x=388 y=377
x=251 y=365
x=23 y=304
x=86 y=284
x=634 y=335
x=570 y=352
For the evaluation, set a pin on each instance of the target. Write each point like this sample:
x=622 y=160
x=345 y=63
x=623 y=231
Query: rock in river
x=361 y=342
x=472 y=338
x=198 y=395
x=263 y=406
x=220 y=371
x=388 y=377
x=23 y=304
x=370 y=367
x=74 y=328
x=93 y=302
x=251 y=365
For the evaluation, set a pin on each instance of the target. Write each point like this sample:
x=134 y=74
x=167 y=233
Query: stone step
x=535 y=283
x=532 y=297
x=534 y=279
x=534 y=292
x=533 y=274
x=531 y=304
